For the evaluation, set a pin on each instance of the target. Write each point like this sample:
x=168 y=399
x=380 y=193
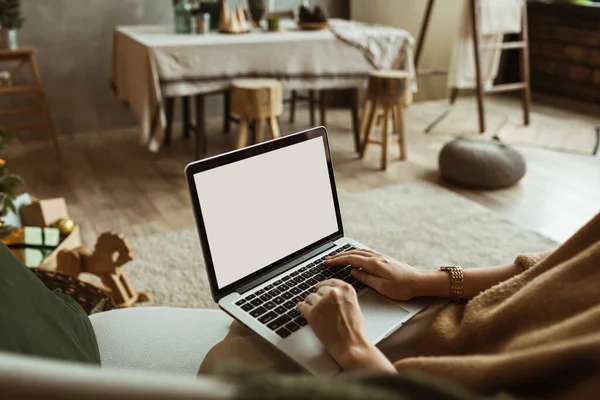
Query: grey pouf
x=481 y=164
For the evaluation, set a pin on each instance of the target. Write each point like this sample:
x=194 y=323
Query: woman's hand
x=400 y=281
x=390 y=277
x=335 y=317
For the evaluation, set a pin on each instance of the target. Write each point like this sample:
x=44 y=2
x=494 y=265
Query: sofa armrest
x=33 y=378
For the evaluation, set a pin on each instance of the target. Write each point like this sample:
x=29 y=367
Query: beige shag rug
x=421 y=223
x=550 y=127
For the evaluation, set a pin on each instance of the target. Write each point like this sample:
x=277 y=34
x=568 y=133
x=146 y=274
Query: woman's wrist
x=433 y=284
x=364 y=356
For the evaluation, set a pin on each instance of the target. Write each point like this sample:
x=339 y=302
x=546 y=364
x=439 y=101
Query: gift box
x=31 y=257
x=32 y=244
x=42 y=213
x=32 y=236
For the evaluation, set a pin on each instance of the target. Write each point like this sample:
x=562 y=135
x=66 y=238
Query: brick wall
x=565 y=50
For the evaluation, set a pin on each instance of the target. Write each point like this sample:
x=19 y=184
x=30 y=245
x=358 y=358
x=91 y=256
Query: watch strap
x=456 y=281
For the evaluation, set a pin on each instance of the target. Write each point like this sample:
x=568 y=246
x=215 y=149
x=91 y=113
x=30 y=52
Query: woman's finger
x=367 y=262
x=303 y=308
x=360 y=252
x=370 y=251
x=357 y=260
x=323 y=290
x=332 y=283
x=312 y=299
x=369 y=279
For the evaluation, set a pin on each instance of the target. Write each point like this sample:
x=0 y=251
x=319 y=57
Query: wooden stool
x=258 y=100
x=386 y=91
x=23 y=56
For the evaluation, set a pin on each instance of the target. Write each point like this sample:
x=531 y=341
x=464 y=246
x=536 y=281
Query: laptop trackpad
x=381 y=315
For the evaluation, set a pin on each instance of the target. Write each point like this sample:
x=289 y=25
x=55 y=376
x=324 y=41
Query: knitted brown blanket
x=355 y=386
x=537 y=334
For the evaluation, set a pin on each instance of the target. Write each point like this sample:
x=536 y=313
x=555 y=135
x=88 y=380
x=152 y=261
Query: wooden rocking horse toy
x=112 y=251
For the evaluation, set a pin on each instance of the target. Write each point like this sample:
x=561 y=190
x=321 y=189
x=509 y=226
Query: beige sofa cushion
x=158 y=338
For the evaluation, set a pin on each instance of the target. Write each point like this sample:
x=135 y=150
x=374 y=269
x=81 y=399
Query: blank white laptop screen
x=261 y=209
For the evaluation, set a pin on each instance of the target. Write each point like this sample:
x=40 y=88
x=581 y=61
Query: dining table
x=152 y=64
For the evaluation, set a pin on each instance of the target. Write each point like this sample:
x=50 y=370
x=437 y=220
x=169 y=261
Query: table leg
x=169 y=108
x=311 y=107
x=293 y=106
x=355 y=123
x=322 y=108
x=200 y=148
x=185 y=105
x=227 y=112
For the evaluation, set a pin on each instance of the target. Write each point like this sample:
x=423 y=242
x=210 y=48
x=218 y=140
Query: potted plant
x=10 y=21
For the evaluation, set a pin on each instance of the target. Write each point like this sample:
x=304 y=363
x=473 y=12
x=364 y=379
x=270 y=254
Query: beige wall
x=407 y=14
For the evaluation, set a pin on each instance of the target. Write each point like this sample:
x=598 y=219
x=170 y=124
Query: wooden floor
x=112 y=183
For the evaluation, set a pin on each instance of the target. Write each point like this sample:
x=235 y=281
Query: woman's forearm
x=365 y=357
x=475 y=280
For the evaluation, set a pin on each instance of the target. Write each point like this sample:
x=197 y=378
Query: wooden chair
x=321 y=101
x=312 y=102
x=185 y=117
x=199 y=126
x=257 y=100
x=387 y=92
x=24 y=56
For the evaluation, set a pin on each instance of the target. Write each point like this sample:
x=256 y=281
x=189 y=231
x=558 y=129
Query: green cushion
x=39 y=322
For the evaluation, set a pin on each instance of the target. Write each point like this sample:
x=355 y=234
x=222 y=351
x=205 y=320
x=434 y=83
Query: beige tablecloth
x=151 y=63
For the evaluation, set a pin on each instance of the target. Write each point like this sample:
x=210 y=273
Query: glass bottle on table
x=182 y=12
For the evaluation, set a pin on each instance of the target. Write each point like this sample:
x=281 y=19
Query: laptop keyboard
x=275 y=304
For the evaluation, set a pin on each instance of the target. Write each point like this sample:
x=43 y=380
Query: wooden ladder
x=522 y=45
x=24 y=56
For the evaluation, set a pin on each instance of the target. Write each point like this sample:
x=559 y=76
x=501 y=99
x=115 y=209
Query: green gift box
x=31 y=257
x=32 y=244
x=32 y=236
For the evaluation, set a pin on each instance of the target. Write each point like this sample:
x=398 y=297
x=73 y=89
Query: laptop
x=267 y=216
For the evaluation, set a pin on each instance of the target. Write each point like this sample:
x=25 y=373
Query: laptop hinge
x=290 y=264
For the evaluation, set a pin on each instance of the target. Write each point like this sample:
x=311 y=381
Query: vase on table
x=9 y=39
x=182 y=15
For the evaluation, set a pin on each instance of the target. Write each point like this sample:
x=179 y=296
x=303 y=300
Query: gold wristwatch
x=456 y=281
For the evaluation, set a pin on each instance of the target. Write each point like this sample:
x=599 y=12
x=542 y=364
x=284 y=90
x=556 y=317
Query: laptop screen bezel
x=238 y=155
